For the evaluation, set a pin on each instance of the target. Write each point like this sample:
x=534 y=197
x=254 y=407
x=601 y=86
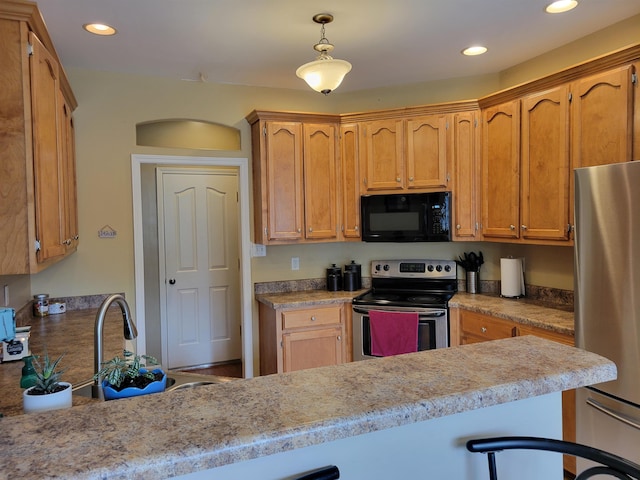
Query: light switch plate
x=258 y=250
x=295 y=263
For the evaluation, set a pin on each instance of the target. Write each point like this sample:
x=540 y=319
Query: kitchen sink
x=175 y=381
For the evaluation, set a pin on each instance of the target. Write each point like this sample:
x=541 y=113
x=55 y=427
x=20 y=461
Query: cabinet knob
x=483 y=329
x=299 y=230
x=76 y=237
x=172 y=281
x=523 y=227
x=458 y=227
x=339 y=338
x=411 y=179
x=356 y=228
x=398 y=179
x=313 y=318
x=512 y=227
x=310 y=229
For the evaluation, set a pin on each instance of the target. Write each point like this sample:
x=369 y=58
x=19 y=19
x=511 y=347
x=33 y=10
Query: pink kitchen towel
x=393 y=333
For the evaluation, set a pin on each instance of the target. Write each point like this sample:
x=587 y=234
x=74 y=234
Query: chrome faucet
x=130 y=330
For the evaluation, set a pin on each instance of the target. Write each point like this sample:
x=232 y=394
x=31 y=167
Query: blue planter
x=154 y=387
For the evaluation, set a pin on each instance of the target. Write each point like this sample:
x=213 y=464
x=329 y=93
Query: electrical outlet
x=295 y=263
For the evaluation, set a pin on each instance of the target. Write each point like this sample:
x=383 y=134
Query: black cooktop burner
x=400 y=299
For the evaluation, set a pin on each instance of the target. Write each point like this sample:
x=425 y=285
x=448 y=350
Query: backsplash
x=25 y=314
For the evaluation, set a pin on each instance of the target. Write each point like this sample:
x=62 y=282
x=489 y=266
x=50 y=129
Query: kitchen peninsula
x=417 y=409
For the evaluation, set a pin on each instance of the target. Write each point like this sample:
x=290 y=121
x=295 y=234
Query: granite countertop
x=213 y=425
x=522 y=311
x=71 y=334
x=306 y=298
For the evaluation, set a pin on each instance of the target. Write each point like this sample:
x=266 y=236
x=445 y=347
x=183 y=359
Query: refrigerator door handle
x=612 y=413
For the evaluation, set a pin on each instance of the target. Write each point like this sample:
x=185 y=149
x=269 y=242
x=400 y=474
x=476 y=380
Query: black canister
x=334 y=278
x=350 y=281
x=355 y=276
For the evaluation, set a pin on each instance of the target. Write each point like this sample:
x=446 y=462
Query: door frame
x=245 y=246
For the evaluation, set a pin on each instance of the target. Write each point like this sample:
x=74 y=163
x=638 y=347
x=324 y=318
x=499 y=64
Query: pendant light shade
x=325 y=73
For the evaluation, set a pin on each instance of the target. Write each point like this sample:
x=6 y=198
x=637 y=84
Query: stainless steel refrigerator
x=607 y=303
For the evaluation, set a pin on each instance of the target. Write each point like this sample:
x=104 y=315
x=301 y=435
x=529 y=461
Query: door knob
x=172 y=281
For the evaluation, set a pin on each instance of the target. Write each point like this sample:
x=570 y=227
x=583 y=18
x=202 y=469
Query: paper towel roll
x=512 y=277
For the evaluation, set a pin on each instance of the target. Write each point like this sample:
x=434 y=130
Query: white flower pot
x=52 y=401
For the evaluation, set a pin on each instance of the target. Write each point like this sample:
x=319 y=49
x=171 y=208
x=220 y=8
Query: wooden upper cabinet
x=296 y=177
x=465 y=153
x=501 y=170
x=426 y=154
x=545 y=165
x=320 y=181
x=48 y=163
x=602 y=118
x=350 y=158
x=283 y=141
x=383 y=160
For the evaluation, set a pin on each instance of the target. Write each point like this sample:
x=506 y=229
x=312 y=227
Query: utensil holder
x=472 y=282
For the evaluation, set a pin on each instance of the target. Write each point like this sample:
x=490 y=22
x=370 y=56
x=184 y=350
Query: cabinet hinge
x=570 y=97
x=448 y=177
x=634 y=78
x=264 y=130
x=475 y=123
x=37 y=245
x=446 y=125
x=569 y=229
x=29 y=49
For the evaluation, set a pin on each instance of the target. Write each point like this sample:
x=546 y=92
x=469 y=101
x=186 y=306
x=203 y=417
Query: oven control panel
x=443 y=269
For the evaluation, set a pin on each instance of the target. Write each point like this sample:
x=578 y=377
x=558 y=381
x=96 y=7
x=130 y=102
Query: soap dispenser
x=29 y=376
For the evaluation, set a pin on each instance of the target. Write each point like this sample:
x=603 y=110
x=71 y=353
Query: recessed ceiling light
x=475 y=50
x=561 y=6
x=99 y=29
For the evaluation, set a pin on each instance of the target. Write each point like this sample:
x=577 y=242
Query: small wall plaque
x=107 y=232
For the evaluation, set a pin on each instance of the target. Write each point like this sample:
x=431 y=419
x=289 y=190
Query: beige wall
x=111 y=104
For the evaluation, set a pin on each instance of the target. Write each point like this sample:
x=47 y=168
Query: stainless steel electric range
x=422 y=286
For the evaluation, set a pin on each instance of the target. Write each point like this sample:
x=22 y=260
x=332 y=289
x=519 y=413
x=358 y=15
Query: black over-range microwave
x=406 y=217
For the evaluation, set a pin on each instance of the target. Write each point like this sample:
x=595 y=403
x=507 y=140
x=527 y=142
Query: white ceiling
x=262 y=42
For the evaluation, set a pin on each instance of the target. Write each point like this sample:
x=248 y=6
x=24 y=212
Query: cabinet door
x=466 y=179
x=426 y=154
x=48 y=166
x=602 y=118
x=477 y=327
x=545 y=165
x=383 y=160
x=501 y=170
x=320 y=181
x=67 y=145
x=312 y=348
x=350 y=157
x=284 y=180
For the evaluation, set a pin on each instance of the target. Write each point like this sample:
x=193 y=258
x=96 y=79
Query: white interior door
x=199 y=214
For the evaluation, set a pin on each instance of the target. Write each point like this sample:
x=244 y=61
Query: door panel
x=200 y=213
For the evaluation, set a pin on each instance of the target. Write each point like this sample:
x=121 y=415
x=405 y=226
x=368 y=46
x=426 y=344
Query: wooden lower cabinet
x=295 y=339
x=477 y=327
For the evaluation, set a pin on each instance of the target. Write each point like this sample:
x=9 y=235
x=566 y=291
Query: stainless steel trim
x=635 y=423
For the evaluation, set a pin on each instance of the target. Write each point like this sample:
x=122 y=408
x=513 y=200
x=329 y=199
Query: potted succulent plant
x=130 y=376
x=49 y=392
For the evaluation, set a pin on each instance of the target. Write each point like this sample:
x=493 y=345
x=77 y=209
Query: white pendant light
x=325 y=73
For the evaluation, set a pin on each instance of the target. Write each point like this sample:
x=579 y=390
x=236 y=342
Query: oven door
x=433 y=328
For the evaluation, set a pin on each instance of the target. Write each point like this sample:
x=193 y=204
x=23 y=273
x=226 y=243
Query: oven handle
x=436 y=314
